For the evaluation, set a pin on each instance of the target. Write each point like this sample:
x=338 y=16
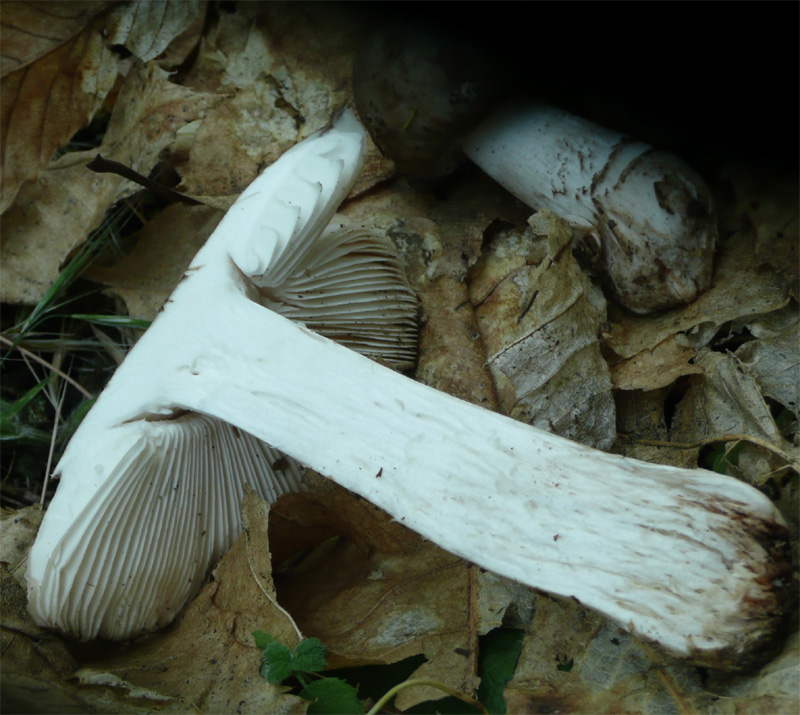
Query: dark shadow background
x=710 y=81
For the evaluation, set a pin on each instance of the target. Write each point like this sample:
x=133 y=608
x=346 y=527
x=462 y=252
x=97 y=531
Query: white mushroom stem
x=688 y=558
x=652 y=214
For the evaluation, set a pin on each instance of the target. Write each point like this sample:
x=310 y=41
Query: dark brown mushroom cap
x=418 y=91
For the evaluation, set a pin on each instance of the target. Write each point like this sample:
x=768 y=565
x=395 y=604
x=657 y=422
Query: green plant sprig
x=328 y=695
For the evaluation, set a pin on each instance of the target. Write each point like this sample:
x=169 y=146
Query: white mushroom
x=691 y=559
x=424 y=95
x=653 y=215
x=150 y=490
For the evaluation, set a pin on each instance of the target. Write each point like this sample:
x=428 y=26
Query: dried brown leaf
x=47 y=101
x=53 y=215
x=378 y=593
x=539 y=325
x=727 y=402
x=659 y=367
x=773 y=358
x=643 y=430
x=451 y=354
x=18 y=531
x=773 y=690
x=39 y=672
x=29 y=30
x=314 y=47
x=575 y=661
x=147 y=28
x=235 y=141
x=741 y=288
x=769 y=201
x=276 y=99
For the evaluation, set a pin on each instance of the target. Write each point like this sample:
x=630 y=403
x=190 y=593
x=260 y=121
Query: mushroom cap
x=163 y=506
x=419 y=90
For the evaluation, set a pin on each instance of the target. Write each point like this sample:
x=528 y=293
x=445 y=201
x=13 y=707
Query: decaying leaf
x=209 y=656
x=773 y=690
x=644 y=433
x=17 y=533
x=375 y=592
x=53 y=215
x=658 y=367
x=729 y=401
x=452 y=357
x=574 y=661
x=40 y=674
x=769 y=201
x=773 y=358
x=47 y=101
x=146 y=28
x=727 y=405
x=29 y=30
x=539 y=317
x=740 y=289
x=276 y=97
x=236 y=140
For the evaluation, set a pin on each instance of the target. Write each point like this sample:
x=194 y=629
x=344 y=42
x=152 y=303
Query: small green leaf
x=499 y=653
x=565 y=663
x=309 y=656
x=332 y=696
x=262 y=639
x=276 y=662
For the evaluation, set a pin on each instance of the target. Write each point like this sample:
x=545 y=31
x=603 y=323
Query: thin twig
x=107 y=166
x=48 y=365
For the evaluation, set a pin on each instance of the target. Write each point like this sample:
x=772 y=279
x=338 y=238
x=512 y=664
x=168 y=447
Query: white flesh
x=675 y=555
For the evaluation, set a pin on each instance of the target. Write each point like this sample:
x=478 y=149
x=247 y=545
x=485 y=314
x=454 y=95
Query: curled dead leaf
x=47 y=101
x=540 y=323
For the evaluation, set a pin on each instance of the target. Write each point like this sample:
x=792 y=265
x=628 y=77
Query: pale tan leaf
x=29 y=30
x=235 y=141
x=540 y=326
x=56 y=213
x=46 y=102
x=654 y=368
x=741 y=288
x=148 y=26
